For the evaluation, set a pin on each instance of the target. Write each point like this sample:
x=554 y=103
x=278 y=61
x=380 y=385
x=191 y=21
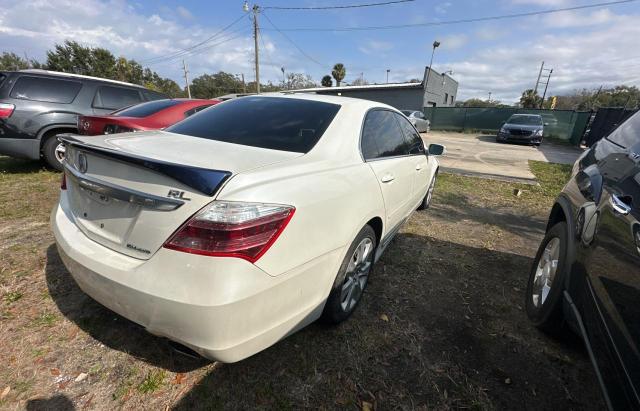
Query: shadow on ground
x=15 y=166
x=453 y=335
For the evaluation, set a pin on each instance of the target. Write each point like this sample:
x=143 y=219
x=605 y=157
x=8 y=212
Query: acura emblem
x=82 y=163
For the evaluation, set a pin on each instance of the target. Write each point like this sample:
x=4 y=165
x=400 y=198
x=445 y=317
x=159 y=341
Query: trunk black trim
x=206 y=181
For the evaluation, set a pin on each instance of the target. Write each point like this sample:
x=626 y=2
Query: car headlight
x=503 y=130
x=539 y=133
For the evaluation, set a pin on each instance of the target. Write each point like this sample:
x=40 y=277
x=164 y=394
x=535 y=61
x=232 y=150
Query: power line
x=460 y=21
x=351 y=6
x=180 y=53
x=293 y=42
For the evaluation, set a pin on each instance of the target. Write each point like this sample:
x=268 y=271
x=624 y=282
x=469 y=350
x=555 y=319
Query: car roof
x=78 y=76
x=343 y=101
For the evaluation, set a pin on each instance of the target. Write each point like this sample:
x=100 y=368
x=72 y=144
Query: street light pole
x=436 y=44
x=388 y=70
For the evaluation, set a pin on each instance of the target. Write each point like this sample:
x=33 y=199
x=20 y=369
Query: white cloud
x=567 y=19
x=442 y=8
x=184 y=13
x=453 y=41
x=376 y=47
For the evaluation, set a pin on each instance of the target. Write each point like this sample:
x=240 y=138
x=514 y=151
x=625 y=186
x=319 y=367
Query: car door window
x=46 y=89
x=414 y=141
x=194 y=110
x=628 y=134
x=113 y=98
x=382 y=136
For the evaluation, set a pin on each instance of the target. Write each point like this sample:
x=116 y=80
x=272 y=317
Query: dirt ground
x=441 y=325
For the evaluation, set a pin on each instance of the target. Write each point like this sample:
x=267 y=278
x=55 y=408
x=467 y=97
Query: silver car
x=418 y=120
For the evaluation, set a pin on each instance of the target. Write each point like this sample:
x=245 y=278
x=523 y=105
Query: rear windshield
x=46 y=89
x=146 y=109
x=526 y=120
x=628 y=133
x=274 y=123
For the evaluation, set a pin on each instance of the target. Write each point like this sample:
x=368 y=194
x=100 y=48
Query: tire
x=543 y=302
x=52 y=156
x=342 y=301
x=426 y=201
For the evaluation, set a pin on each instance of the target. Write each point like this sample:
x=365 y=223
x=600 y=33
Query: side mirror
x=546 y=124
x=437 y=150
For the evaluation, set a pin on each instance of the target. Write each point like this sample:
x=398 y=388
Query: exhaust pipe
x=184 y=350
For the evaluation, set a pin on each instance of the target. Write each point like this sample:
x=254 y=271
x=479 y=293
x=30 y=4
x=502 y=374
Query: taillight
x=6 y=110
x=232 y=229
x=63 y=182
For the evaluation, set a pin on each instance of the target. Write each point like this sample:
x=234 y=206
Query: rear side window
x=275 y=123
x=151 y=95
x=46 y=89
x=628 y=133
x=195 y=110
x=112 y=98
x=382 y=136
x=416 y=146
x=146 y=109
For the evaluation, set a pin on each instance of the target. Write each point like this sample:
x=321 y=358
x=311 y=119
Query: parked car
x=226 y=239
x=586 y=272
x=37 y=105
x=522 y=128
x=152 y=115
x=419 y=121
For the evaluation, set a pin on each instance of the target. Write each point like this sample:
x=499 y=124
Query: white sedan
x=243 y=223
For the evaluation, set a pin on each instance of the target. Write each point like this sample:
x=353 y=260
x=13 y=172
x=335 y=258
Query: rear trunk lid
x=130 y=192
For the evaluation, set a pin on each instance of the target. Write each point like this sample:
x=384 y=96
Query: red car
x=152 y=115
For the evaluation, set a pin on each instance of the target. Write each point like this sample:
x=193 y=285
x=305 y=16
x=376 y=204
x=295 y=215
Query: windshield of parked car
x=525 y=120
x=406 y=112
x=145 y=109
x=275 y=123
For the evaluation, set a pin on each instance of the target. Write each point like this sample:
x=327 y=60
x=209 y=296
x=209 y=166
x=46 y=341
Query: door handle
x=618 y=205
x=418 y=167
x=387 y=178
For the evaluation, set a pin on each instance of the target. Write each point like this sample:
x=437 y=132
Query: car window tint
x=146 y=109
x=153 y=95
x=416 y=146
x=46 y=89
x=382 y=136
x=628 y=133
x=194 y=110
x=113 y=98
x=276 y=123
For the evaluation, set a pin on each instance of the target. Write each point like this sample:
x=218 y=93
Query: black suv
x=586 y=272
x=36 y=105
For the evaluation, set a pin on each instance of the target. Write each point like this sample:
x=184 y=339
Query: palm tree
x=530 y=99
x=326 y=81
x=338 y=73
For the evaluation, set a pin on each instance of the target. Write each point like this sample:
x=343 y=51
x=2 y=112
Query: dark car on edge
x=37 y=105
x=522 y=128
x=586 y=273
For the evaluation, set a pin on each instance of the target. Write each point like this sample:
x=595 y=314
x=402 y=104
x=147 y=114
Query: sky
x=586 y=48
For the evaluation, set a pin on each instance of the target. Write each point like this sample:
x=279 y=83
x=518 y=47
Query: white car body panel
x=227 y=308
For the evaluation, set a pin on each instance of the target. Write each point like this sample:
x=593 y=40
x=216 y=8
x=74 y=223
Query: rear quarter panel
x=332 y=204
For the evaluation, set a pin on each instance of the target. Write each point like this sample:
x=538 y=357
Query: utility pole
x=546 y=85
x=284 y=78
x=255 y=9
x=489 y=97
x=388 y=70
x=186 y=78
x=535 y=90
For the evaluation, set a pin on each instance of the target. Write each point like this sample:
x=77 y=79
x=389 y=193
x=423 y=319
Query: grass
x=152 y=382
x=45 y=320
x=12 y=297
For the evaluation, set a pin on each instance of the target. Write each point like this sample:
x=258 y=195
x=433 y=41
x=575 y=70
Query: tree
x=476 y=102
x=326 y=81
x=218 y=84
x=530 y=99
x=338 y=73
x=296 y=81
x=12 y=62
x=360 y=81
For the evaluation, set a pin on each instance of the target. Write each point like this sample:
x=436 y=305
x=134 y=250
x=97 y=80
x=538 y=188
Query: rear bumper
x=225 y=309
x=20 y=148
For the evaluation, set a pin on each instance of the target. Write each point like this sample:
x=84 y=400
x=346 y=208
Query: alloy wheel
x=356 y=275
x=545 y=272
